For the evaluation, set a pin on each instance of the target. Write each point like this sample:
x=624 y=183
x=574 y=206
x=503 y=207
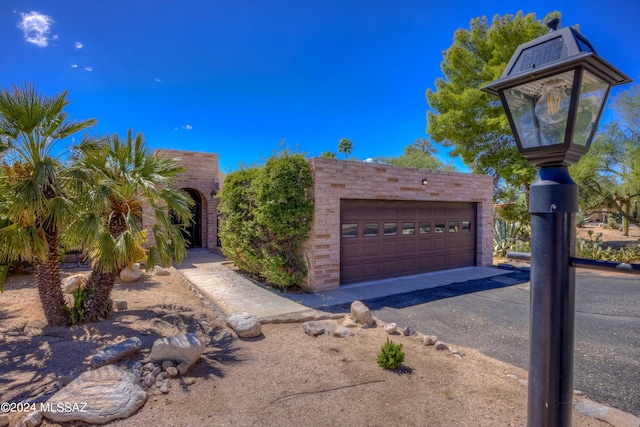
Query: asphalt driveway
x=495 y=320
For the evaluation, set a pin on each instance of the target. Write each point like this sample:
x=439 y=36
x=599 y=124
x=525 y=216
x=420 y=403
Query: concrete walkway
x=232 y=292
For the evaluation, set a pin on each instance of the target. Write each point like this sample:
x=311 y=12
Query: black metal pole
x=553 y=203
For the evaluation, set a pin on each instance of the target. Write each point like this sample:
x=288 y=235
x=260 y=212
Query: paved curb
x=600 y=412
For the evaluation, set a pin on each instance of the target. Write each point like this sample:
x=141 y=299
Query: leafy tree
x=118 y=177
x=418 y=155
x=609 y=174
x=345 y=146
x=38 y=206
x=469 y=120
x=328 y=155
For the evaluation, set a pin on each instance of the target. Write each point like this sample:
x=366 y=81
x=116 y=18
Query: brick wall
x=200 y=175
x=337 y=179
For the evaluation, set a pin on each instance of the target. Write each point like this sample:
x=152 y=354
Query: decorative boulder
x=246 y=325
x=361 y=313
x=161 y=271
x=120 y=304
x=71 y=283
x=391 y=328
x=130 y=275
x=185 y=349
x=113 y=353
x=102 y=395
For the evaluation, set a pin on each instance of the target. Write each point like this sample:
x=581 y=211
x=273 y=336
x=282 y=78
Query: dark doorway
x=193 y=232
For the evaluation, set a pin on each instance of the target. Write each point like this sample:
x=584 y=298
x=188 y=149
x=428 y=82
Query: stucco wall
x=337 y=179
x=201 y=175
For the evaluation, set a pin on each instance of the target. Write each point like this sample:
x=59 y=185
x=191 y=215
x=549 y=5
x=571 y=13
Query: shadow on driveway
x=422 y=296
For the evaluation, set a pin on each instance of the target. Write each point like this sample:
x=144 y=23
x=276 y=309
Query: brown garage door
x=382 y=239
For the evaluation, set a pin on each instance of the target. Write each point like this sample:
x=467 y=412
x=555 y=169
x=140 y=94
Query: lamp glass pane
x=521 y=105
x=540 y=109
x=593 y=91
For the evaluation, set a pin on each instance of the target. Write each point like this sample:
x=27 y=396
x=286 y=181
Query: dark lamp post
x=553 y=91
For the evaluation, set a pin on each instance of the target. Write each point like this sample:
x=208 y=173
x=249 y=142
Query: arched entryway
x=193 y=232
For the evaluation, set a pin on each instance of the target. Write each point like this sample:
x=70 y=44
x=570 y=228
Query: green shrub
x=391 y=355
x=76 y=311
x=266 y=215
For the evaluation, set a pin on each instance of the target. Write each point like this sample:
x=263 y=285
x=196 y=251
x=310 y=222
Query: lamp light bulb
x=553 y=105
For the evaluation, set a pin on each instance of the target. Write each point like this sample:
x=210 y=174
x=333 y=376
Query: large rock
x=116 y=352
x=130 y=275
x=97 y=397
x=185 y=349
x=73 y=282
x=246 y=325
x=361 y=313
x=161 y=271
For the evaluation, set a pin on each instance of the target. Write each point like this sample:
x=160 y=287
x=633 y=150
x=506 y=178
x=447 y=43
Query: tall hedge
x=266 y=217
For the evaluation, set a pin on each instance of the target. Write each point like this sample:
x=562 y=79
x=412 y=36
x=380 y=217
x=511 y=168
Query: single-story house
x=371 y=221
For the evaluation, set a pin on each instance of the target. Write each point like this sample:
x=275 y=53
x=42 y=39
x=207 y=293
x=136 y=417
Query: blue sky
x=237 y=77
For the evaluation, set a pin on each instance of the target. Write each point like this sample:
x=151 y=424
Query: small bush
x=76 y=311
x=391 y=355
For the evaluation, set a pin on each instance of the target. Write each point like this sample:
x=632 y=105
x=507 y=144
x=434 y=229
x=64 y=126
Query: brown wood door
x=382 y=239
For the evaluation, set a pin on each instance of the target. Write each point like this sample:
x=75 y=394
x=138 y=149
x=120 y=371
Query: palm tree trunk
x=97 y=305
x=49 y=284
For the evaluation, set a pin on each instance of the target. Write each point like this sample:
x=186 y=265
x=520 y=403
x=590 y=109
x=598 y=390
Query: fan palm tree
x=345 y=146
x=37 y=206
x=118 y=177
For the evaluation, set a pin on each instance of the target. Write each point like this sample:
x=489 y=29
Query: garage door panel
x=439 y=262
x=395 y=238
x=424 y=263
x=407 y=246
x=424 y=245
x=408 y=264
x=350 y=270
x=390 y=247
x=370 y=248
x=467 y=240
x=439 y=243
x=453 y=242
x=390 y=267
x=350 y=250
x=453 y=260
x=467 y=259
x=371 y=269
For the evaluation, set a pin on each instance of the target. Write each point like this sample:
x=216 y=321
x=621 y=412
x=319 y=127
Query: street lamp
x=553 y=91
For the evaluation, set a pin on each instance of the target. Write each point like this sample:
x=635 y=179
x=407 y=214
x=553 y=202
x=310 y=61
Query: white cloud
x=79 y=45
x=88 y=68
x=157 y=80
x=36 y=28
x=188 y=127
x=74 y=65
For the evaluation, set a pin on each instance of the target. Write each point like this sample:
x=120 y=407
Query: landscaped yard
x=283 y=378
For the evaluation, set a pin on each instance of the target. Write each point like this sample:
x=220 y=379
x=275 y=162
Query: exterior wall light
x=553 y=91
x=424 y=181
